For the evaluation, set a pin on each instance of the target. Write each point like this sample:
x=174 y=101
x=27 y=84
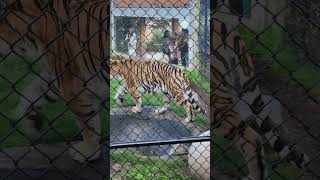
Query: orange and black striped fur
x=70 y=40
x=239 y=111
x=153 y=76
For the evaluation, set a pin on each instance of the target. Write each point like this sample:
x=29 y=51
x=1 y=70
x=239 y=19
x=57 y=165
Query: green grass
x=229 y=160
x=16 y=72
x=198 y=79
x=137 y=167
x=285 y=60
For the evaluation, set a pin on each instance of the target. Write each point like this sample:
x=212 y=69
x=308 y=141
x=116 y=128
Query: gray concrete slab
x=46 y=162
x=127 y=126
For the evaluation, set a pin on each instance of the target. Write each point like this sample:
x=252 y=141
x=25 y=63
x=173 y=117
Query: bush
x=283 y=58
x=157 y=36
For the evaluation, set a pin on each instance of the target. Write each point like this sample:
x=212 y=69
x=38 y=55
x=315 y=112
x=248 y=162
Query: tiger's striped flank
x=153 y=76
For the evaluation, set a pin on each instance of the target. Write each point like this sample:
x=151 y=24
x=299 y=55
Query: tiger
x=70 y=40
x=141 y=76
x=238 y=109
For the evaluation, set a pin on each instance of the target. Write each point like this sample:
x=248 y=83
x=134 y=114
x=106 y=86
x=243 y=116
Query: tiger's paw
x=136 y=109
x=188 y=119
x=120 y=101
x=84 y=152
x=299 y=159
x=160 y=111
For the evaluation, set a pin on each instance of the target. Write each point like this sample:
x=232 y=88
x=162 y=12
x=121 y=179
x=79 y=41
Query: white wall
x=260 y=18
x=180 y=13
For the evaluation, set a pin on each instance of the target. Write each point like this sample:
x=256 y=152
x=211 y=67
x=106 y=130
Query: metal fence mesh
x=150 y=145
x=277 y=102
x=62 y=116
x=53 y=57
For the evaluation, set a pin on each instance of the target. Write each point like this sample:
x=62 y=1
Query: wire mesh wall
x=53 y=57
x=69 y=112
x=160 y=50
x=264 y=97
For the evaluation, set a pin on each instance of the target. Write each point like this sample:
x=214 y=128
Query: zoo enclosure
x=279 y=49
x=158 y=148
x=281 y=36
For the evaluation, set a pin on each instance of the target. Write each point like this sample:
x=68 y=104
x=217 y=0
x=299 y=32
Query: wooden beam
x=143 y=39
x=175 y=26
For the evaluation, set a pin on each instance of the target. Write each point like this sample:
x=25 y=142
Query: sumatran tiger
x=70 y=39
x=154 y=76
x=239 y=111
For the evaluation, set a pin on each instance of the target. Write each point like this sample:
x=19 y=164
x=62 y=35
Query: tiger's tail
x=193 y=99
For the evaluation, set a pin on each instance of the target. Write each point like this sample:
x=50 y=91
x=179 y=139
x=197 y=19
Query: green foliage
x=198 y=79
x=145 y=168
x=229 y=159
x=16 y=71
x=157 y=37
x=285 y=60
x=155 y=44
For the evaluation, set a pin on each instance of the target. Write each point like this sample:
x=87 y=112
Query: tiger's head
x=19 y=27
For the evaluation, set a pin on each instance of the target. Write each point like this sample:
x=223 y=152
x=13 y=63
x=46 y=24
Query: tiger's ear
x=114 y=62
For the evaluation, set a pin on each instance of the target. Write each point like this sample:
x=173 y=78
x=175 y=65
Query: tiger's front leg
x=31 y=120
x=228 y=124
x=134 y=91
x=166 y=103
x=88 y=121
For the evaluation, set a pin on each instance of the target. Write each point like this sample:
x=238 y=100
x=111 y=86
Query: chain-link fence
x=65 y=113
x=264 y=98
x=54 y=87
x=55 y=90
x=167 y=43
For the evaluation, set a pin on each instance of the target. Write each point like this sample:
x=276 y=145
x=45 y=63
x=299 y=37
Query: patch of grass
x=285 y=60
x=15 y=75
x=198 y=79
x=132 y=166
x=228 y=159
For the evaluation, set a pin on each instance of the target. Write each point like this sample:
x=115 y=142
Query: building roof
x=151 y=3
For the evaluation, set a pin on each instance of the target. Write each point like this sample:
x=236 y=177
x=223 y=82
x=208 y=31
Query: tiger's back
x=153 y=76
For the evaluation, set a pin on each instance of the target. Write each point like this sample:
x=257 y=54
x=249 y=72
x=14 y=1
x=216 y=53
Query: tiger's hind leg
x=88 y=121
x=269 y=123
x=276 y=136
x=227 y=123
x=30 y=120
x=190 y=102
x=183 y=101
x=250 y=145
x=166 y=104
x=121 y=91
x=136 y=94
x=87 y=106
